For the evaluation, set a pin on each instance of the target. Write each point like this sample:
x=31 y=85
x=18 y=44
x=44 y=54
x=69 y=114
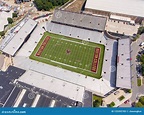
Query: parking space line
x=9 y=96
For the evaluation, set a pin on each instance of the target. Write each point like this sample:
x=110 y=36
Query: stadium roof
x=17 y=36
x=57 y=86
x=109 y=64
x=123 y=65
x=128 y=7
x=79 y=20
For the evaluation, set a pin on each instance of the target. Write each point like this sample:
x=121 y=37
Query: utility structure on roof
x=132 y=9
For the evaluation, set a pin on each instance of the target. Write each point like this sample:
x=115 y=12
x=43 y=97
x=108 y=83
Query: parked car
x=127 y=101
x=115 y=93
x=141 y=44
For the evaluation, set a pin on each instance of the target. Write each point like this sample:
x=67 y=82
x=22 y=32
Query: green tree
x=2 y=33
x=142 y=100
x=139 y=104
x=14 y=15
x=48 y=4
x=96 y=103
x=111 y=104
x=10 y=20
x=141 y=30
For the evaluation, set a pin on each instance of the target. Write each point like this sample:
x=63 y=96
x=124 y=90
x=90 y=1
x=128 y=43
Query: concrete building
x=126 y=10
x=123 y=78
x=17 y=36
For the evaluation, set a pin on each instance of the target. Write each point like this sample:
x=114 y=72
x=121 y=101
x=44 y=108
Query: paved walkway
x=3 y=19
x=114 y=97
x=120 y=27
x=7 y=62
x=1 y=61
x=135 y=89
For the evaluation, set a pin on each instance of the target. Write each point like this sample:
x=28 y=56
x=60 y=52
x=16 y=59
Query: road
x=135 y=89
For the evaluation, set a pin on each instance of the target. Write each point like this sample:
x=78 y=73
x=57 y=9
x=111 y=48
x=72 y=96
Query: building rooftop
x=26 y=95
x=16 y=37
x=128 y=7
x=54 y=85
x=123 y=64
x=109 y=62
x=79 y=20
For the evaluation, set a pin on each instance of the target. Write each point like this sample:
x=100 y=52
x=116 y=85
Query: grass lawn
x=71 y=54
x=139 y=82
x=111 y=104
x=121 y=98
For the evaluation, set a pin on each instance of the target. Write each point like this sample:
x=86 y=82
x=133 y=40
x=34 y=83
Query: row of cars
x=138 y=66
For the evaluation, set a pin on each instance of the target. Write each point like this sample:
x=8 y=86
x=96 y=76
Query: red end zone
x=43 y=46
x=95 y=60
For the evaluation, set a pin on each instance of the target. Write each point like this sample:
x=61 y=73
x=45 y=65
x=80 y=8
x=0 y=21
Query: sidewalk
x=1 y=61
x=7 y=63
x=114 y=97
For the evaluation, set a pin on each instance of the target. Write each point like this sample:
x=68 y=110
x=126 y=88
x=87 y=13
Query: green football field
x=69 y=53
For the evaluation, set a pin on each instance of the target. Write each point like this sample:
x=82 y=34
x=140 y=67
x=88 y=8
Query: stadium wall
x=107 y=14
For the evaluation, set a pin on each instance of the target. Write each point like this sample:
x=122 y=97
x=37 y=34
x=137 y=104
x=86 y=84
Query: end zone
x=95 y=59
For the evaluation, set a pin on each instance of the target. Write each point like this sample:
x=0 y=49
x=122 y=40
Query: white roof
x=128 y=7
x=123 y=65
x=109 y=67
x=16 y=37
x=57 y=86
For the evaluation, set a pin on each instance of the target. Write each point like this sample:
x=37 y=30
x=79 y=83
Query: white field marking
x=75 y=42
x=35 y=100
x=9 y=96
x=20 y=98
x=65 y=60
x=66 y=64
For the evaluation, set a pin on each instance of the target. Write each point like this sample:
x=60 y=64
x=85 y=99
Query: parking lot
x=45 y=98
x=6 y=79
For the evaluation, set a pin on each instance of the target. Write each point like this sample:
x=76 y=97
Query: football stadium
x=69 y=53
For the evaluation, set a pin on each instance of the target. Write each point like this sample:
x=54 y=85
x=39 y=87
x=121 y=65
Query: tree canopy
x=48 y=4
x=141 y=30
x=140 y=103
x=10 y=20
x=2 y=33
x=141 y=58
x=14 y=15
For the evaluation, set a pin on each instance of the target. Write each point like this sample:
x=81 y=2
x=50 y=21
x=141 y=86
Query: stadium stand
x=74 y=32
x=17 y=36
x=85 y=21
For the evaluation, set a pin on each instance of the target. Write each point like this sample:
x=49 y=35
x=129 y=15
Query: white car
x=141 y=44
